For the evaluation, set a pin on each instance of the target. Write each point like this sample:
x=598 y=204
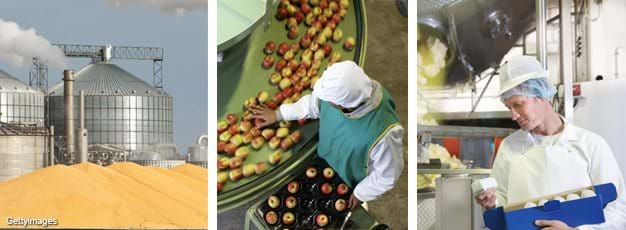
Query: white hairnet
x=345 y=84
x=537 y=87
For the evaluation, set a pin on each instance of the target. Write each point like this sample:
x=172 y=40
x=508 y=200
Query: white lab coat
x=385 y=163
x=573 y=159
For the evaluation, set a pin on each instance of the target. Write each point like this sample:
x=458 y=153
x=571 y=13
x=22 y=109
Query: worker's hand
x=354 y=202
x=552 y=225
x=261 y=112
x=487 y=198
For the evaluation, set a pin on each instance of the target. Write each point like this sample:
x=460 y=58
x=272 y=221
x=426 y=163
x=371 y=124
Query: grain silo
x=121 y=110
x=19 y=103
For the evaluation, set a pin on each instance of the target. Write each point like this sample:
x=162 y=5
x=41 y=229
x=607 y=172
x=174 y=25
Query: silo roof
x=108 y=79
x=9 y=83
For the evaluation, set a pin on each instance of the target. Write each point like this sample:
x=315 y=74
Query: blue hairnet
x=538 y=87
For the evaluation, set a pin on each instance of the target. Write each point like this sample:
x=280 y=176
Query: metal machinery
x=198 y=153
x=240 y=76
x=127 y=118
x=450 y=204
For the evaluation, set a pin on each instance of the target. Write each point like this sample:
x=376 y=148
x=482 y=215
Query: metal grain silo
x=121 y=110
x=22 y=150
x=19 y=103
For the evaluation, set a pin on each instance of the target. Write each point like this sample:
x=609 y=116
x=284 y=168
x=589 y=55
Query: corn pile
x=123 y=195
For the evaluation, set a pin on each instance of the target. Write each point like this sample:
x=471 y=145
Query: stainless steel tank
x=22 y=150
x=19 y=103
x=121 y=110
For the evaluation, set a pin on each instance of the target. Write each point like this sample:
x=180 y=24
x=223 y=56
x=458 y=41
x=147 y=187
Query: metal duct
x=68 y=89
x=480 y=31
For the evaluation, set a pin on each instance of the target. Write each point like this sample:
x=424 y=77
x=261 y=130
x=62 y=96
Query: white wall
x=607 y=31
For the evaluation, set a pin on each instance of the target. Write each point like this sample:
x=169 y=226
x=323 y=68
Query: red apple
x=342 y=12
x=286 y=143
x=230 y=149
x=231 y=119
x=328 y=173
x=281 y=13
x=235 y=174
x=268 y=133
x=335 y=19
x=305 y=8
x=337 y=35
x=305 y=64
x=289 y=218
x=306 y=56
x=333 y=24
x=299 y=17
x=276 y=77
x=321 y=220
x=284 y=3
x=343 y=189
x=291 y=202
x=220 y=146
x=301 y=122
x=327 y=32
x=269 y=48
x=282 y=63
x=319 y=55
x=273 y=202
x=220 y=186
x=284 y=83
x=315 y=66
x=275 y=157
x=315 y=46
x=349 y=44
x=257 y=143
x=333 y=6
x=293 y=32
x=248 y=170
x=317 y=25
x=287 y=92
x=282 y=48
x=255 y=132
x=233 y=129
x=247 y=137
x=311 y=32
x=335 y=57
x=223 y=163
x=222 y=126
x=242 y=152
x=236 y=140
x=311 y=172
x=291 y=23
x=222 y=177
x=245 y=126
x=308 y=19
x=293 y=187
x=341 y=205
x=268 y=62
x=298 y=88
x=326 y=188
x=273 y=105
x=271 y=217
x=260 y=168
x=344 y=3
x=305 y=42
x=235 y=162
x=278 y=97
x=327 y=49
x=291 y=9
x=293 y=65
x=323 y=4
x=274 y=142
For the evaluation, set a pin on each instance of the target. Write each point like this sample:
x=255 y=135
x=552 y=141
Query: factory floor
x=386 y=62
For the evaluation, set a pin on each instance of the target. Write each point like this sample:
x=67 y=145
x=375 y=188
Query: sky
x=181 y=32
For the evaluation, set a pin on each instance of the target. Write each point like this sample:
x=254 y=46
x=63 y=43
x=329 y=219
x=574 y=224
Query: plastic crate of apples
x=313 y=200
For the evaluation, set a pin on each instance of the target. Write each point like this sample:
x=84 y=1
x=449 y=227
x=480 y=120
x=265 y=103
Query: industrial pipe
x=68 y=96
x=82 y=132
x=540 y=21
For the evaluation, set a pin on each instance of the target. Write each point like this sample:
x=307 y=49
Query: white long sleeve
x=385 y=166
x=604 y=169
x=305 y=108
